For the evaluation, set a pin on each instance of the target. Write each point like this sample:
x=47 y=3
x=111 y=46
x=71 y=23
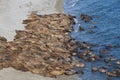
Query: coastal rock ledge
x=44 y=47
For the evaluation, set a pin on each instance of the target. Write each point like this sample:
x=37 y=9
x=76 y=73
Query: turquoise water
x=106 y=18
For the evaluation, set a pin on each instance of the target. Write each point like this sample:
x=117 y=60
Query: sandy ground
x=12 y=12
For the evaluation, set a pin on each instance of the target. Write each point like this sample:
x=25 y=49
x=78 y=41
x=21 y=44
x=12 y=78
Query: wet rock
x=85 y=17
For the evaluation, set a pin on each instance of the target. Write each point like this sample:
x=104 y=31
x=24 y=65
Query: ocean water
x=106 y=18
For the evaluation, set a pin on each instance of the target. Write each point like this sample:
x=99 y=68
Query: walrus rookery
x=44 y=47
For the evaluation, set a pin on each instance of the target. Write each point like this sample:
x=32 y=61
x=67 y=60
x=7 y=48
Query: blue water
x=106 y=18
